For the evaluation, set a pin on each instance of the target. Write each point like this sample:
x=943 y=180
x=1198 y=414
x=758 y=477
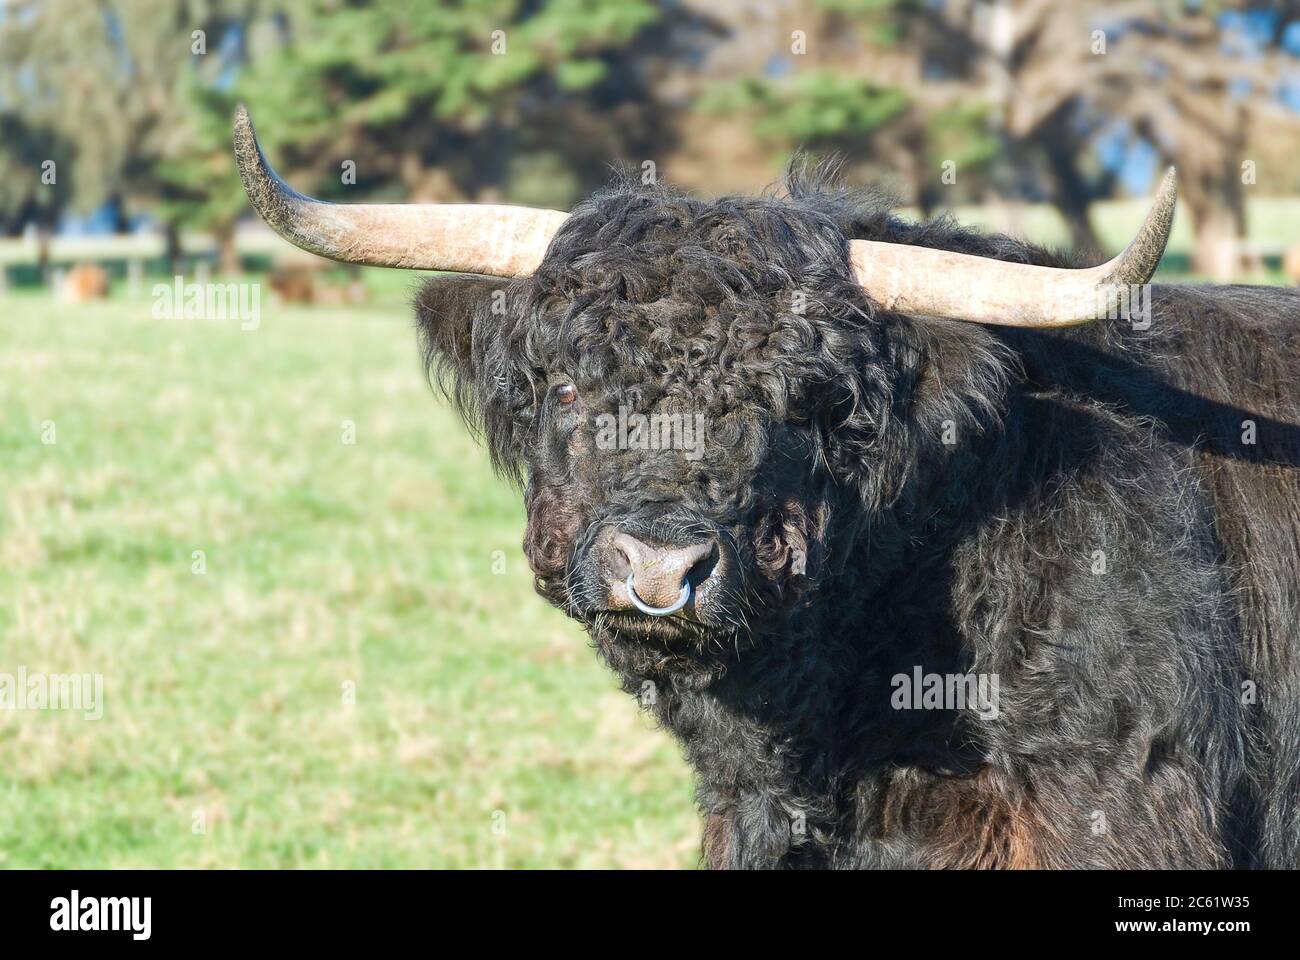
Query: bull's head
x=713 y=404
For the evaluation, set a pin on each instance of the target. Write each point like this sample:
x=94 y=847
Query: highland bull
x=919 y=461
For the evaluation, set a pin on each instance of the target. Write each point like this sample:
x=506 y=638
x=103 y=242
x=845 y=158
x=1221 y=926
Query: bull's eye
x=566 y=393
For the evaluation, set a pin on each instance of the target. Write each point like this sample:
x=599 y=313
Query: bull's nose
x=655 y=579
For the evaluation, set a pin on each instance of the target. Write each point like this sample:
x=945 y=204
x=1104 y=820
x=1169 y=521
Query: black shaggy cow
x=921 y=592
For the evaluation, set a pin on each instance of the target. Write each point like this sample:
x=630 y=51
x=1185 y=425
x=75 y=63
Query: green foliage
x=815 y=109
x=23 y=150
x=862 y=8
x=580 y=74
x=105 y=88
x=203 y=189
x=393 y=75
x=963 y=134
x=821 y=107
x=832 y=101
x=116 y=94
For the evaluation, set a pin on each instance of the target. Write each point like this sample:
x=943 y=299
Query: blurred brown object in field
x=85 y=281
x=306 y=283
x=1291 y=264
x=293 y=284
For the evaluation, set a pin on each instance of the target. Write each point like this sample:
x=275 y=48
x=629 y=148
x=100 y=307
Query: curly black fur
x=1075 y=513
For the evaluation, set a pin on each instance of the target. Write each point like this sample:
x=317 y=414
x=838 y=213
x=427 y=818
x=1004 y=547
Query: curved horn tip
x=1149 y=245
x=267 y=192
x=457 y=238
x=247 y=149
x=1167 y=192
x=243 y=124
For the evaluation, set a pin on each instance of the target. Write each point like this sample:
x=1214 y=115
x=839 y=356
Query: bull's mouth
x=636 y=620
x=678 y=629
x=647 y=647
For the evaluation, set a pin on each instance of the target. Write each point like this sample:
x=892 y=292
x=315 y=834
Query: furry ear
x=445 y=309
x=917 y=395
x=464 y=328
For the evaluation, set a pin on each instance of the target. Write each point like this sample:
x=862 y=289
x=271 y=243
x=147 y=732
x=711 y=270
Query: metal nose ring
x=659 y=611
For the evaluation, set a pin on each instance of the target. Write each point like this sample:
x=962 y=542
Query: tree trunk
x=1218 y=249
x=1217 y=203
x=172 y=248
x=121 y=223
x=925 y=183
x=1072 y=197
x=1218 y=215
x=44 y=232
x=228 y=264
x=1068 y=189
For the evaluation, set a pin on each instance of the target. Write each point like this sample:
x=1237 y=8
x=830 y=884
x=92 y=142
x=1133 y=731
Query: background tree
x=198 y=183
x=1021 y=100
x=435 y=102
x=107 y=87
x=29 y=193
x=1194 y=84
x=836 y=76
x=1191 y=79
x=913 y=86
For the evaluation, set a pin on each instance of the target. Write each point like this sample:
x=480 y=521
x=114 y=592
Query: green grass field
x=484 y=731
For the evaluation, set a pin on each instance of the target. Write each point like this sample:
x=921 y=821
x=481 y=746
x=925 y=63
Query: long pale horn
x=940 y=283
x=492 y=239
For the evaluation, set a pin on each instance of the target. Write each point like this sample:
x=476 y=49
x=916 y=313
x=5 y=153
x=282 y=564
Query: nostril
x=702 y=567
x=627 y=554
x=620 y=561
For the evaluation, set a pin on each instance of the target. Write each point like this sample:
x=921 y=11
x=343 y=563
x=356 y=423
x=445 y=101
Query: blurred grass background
x=373 y=564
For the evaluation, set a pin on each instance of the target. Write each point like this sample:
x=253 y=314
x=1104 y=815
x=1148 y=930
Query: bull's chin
x=641 y=647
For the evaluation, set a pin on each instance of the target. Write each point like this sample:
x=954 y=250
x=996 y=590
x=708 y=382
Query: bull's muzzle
x=681 y=601
x=656 y=579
